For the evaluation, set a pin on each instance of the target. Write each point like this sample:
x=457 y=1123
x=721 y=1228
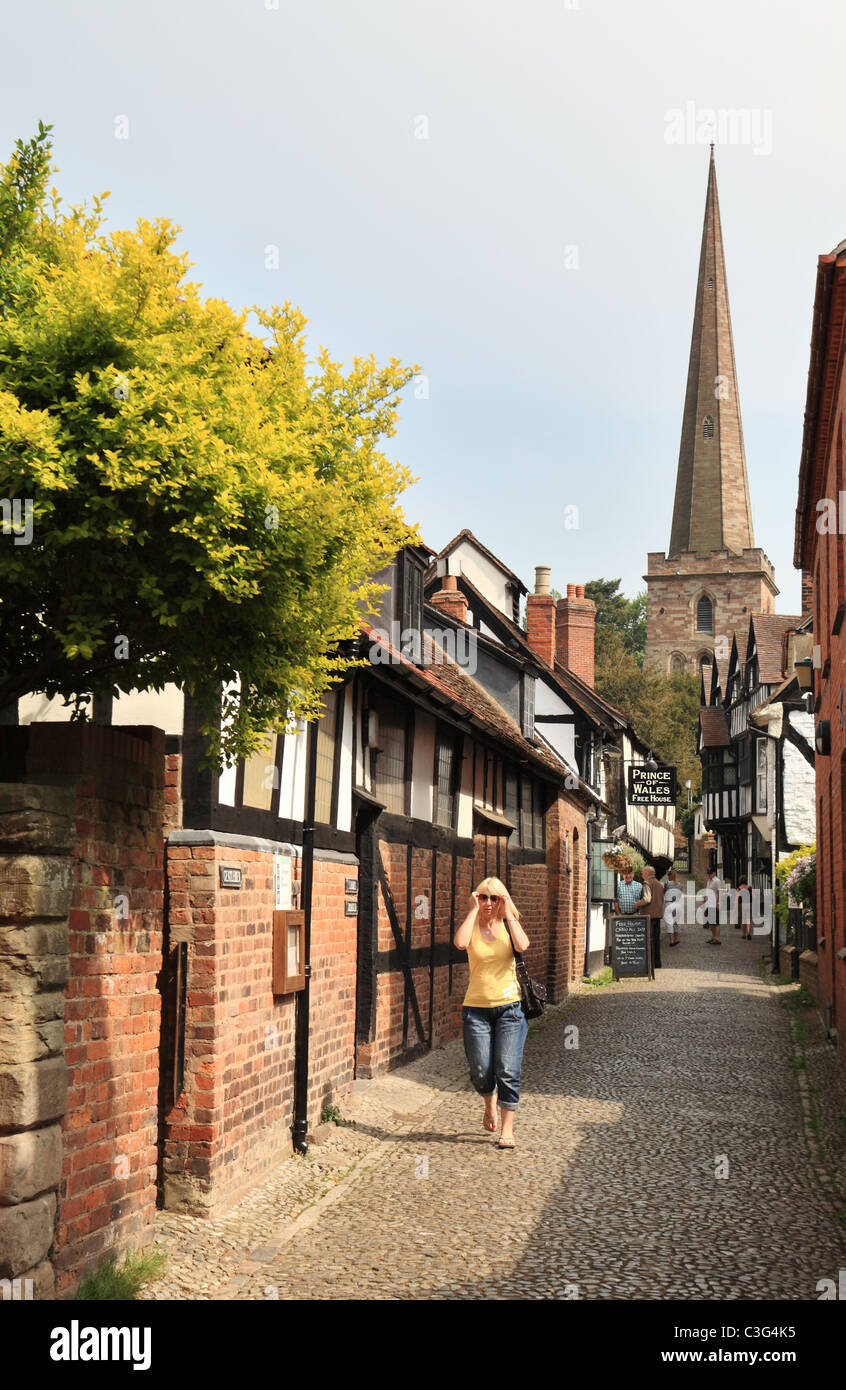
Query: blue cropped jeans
x=493 y=1045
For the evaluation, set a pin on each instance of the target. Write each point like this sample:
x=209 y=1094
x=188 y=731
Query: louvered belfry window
x=708 y=427
x=704 y=615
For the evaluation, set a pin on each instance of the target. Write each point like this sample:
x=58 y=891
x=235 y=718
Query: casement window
x=531 y=814
x=603 y=886
x=719 y=770
x=526 y=812
x=411 y=610
x=389 y=743
x=704 y=615
x=744 y=761
x=761 y=777
x=327 y=737
x=259 y=777
x=512 y=801
x=446 y=780
x=538 y=816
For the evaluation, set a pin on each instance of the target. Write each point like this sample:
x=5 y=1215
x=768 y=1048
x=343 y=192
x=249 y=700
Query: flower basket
x=623 y=858
x=618 y=862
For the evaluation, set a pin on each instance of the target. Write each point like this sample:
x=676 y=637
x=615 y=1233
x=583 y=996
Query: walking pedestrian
x=673 y=901
x=655 y=912
x=744 y=909
x=493 y=1023
x=713 y=891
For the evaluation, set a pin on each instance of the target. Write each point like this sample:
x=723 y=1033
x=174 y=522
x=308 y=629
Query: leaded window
x=446 y=760
x=325 y=779
x=390 y=755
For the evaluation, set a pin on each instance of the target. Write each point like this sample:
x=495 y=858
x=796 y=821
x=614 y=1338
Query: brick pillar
x=575 y=619
x=540 y=617
x=450 y=599
x=36 y=882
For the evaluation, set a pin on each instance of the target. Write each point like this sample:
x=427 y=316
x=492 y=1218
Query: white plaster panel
x=423 y=766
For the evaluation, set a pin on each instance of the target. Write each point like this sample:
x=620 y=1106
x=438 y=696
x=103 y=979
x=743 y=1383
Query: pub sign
x=656 y=788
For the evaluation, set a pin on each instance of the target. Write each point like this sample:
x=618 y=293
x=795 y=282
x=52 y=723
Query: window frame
x=449 y=738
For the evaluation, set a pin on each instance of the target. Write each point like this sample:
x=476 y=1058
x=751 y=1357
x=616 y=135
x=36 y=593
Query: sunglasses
x=488 y=897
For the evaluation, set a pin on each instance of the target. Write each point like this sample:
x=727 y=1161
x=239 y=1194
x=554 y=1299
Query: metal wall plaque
x=350 y=886
x=350 y=908
x=230 y=877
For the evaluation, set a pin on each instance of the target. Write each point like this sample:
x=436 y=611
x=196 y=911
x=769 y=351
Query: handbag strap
x=517 y=954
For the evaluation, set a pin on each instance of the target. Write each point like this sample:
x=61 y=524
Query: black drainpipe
x=299 y=1128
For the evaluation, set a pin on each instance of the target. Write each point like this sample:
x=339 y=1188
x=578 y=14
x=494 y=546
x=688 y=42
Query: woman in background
x=494 y=1026
x=672 y=906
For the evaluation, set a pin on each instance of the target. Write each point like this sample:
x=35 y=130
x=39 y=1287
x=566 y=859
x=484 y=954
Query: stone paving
x=615 y=1189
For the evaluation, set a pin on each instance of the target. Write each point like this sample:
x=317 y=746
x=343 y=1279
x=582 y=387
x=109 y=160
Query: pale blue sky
x=548 y=386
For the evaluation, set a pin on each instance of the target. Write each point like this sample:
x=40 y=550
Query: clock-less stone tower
x=713 y=575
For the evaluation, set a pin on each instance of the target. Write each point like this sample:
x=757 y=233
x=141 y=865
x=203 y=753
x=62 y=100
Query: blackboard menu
x=631 y=947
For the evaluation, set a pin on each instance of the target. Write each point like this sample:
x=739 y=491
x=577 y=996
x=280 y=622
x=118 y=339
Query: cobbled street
x=613 y=1191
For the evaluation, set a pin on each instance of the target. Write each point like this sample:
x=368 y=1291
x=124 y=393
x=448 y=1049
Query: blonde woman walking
x=494 y=1026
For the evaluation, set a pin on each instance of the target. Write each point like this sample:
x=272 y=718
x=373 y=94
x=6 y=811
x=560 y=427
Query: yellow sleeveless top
x=493 y=974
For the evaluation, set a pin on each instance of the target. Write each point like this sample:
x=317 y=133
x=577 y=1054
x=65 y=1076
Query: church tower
x=713 y=575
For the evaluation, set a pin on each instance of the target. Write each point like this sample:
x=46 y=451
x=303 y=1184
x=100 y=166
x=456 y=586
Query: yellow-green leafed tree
x=183 y=500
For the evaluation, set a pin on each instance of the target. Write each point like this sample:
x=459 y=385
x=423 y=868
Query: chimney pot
x=575 y=618
x=542 y=579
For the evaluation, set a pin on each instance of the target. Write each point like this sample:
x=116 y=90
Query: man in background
x=654 y=910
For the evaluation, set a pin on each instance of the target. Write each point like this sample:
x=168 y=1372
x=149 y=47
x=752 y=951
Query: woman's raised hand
x=475 y=900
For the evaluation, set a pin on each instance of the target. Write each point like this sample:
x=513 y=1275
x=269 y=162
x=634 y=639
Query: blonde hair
x=495 y=885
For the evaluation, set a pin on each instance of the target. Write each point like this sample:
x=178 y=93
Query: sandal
x=489 y=1124
x=505 y=1144
x=714 y=942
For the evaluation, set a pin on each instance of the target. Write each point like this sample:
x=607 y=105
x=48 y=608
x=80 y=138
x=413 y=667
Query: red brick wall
x=829 y=562
x=551 y=903
x=107 y=1194
x=575 y=619
x=232 y=1122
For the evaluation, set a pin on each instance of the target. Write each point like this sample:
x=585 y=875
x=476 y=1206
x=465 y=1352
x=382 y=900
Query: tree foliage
x=663 y=709
x=616 y=613
x=206 y=506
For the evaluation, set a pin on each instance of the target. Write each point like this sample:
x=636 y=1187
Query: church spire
x=711 y=509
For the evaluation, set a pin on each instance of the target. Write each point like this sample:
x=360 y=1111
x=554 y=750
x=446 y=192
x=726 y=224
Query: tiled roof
x=770 y=631
x=714 y=726
x=470 y=700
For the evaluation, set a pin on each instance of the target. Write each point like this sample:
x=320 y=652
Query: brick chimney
x=575 y=617
x=540 y=617
x=450 y=599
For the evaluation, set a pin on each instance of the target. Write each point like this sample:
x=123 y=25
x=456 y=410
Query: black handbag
x=533 y=993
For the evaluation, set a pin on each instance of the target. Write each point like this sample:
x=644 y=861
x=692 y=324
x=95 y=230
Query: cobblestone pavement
x=614 y=1189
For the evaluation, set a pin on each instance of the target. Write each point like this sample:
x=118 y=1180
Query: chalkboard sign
x=631 y=947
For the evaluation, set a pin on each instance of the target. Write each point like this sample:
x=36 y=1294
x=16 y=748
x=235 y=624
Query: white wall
x=465 y=798
x=798 y=787
x=423 y=765
x=562 y=737
x=489 y=580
